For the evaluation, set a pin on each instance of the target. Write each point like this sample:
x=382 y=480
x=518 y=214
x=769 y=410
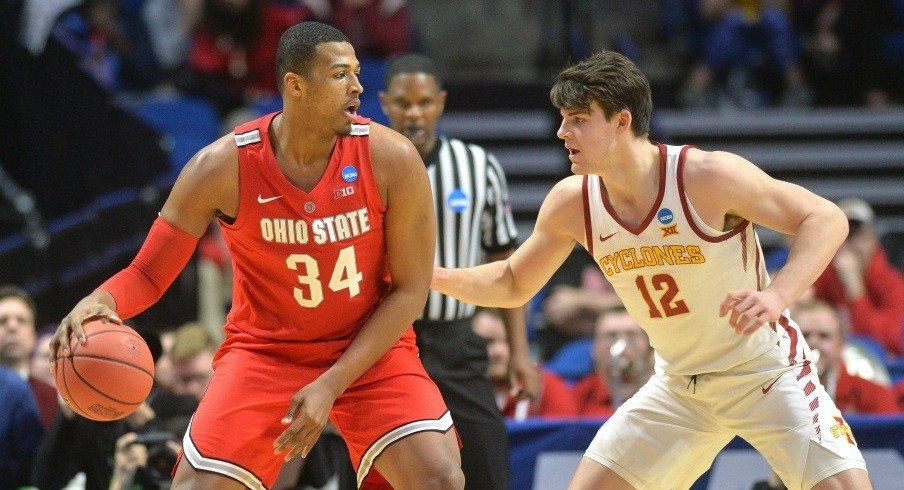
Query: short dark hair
x=412 y=63
x=10 y=291
x=298 y=44
x=610 y=79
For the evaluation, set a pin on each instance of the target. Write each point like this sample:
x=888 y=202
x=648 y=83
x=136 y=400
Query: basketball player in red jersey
x=330 y=224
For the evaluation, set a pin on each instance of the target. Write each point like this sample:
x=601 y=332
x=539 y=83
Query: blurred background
x=103 y=101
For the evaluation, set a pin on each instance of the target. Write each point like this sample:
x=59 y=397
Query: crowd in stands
x=757 y=53
x=734 y=53
x=220 y=50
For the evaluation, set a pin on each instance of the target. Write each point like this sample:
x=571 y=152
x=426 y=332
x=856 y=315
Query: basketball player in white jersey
x=672 y=229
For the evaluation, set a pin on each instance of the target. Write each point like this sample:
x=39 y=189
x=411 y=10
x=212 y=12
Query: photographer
x=144 y=459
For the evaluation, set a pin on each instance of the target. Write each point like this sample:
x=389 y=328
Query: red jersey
x=592 y=397
x=308 y=267
x=858 y=395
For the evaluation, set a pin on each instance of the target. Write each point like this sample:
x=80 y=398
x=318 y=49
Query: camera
x=161 y=459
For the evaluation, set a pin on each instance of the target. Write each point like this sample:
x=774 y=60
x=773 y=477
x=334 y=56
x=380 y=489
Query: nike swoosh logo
x=603 y=239
x=767 y=388
x=261 y=199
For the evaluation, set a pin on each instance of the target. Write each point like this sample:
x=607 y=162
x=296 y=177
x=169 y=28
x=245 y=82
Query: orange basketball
x=109 y=376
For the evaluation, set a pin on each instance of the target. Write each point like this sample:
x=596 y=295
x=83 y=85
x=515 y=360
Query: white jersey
x=672 y=271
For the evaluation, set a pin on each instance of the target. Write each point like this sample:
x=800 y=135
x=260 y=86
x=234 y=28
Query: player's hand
x=306 y=418
x=751 y=310
x=70 y=328
x=524 y=378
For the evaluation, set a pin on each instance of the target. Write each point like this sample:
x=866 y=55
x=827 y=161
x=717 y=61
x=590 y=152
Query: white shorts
x=669 y=433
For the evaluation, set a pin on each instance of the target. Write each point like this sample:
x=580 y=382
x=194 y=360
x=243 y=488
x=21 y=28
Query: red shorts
x=233 y=430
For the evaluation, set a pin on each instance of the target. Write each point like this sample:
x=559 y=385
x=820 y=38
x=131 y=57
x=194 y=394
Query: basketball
x=109 y=376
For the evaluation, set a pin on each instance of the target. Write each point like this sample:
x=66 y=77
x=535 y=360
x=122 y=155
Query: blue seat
x=187 y=124
x=573 y=360
x=895 y=370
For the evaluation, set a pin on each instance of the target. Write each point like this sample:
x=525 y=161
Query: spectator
x=20 y=430
x=233 y=51
x=622 y=360
x=17 y=346
x=192 y=359
x=749 y=45
x=40 y=367
x=214 y=282
x=861 y=281
x=218 y=57
x=554 y=397
x=824 y=331
x=842 y=50
x=376 y=28
x=112 y=42
x=577 y=294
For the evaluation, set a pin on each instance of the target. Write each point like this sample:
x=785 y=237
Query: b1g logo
x=349 y=173
x=458 y=201
x=665 y=216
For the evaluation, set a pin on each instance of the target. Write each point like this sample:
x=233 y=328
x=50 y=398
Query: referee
x=474 y=225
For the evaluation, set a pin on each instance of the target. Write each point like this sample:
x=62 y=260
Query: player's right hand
x=71 y=329
x=305 y=420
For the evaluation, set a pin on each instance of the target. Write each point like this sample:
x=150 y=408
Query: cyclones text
x=635 y=258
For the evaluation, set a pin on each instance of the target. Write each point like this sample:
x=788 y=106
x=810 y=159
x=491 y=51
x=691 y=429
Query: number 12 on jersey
x=669 y=305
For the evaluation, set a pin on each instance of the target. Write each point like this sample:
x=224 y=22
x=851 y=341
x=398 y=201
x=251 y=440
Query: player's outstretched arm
x=207 y=184
x=410 y=229
x=745 y=191
x=512 y=282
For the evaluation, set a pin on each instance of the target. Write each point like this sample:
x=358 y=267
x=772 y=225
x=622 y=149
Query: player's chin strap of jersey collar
x=693 y=381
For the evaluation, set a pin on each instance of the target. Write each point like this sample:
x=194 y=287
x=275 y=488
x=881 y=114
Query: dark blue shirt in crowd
x=20 y=430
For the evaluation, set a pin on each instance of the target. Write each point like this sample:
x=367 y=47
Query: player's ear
x=624 y=120
x=292 y=84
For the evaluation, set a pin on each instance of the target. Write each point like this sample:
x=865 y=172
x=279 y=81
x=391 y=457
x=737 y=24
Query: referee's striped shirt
x=473 y=215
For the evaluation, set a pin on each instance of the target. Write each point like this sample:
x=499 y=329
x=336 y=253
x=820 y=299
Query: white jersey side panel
x=672 y=272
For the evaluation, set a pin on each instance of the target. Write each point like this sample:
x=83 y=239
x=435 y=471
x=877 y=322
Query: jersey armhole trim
x=685 y=206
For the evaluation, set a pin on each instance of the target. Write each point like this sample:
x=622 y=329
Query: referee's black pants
x=456 y=359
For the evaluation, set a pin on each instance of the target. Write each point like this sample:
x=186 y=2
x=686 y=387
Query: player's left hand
x=306 y=417
x=751 y=310
x=524 y=378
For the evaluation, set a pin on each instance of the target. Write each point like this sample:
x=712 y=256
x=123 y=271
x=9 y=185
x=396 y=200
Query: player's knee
x=445 y=476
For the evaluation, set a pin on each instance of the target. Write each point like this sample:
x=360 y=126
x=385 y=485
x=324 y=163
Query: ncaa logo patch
x=665 y=216
x=458 y=201
x=349 y=173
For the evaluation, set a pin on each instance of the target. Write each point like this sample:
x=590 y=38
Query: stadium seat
x=187 y=124
x=573 y=360
x=896 y=370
